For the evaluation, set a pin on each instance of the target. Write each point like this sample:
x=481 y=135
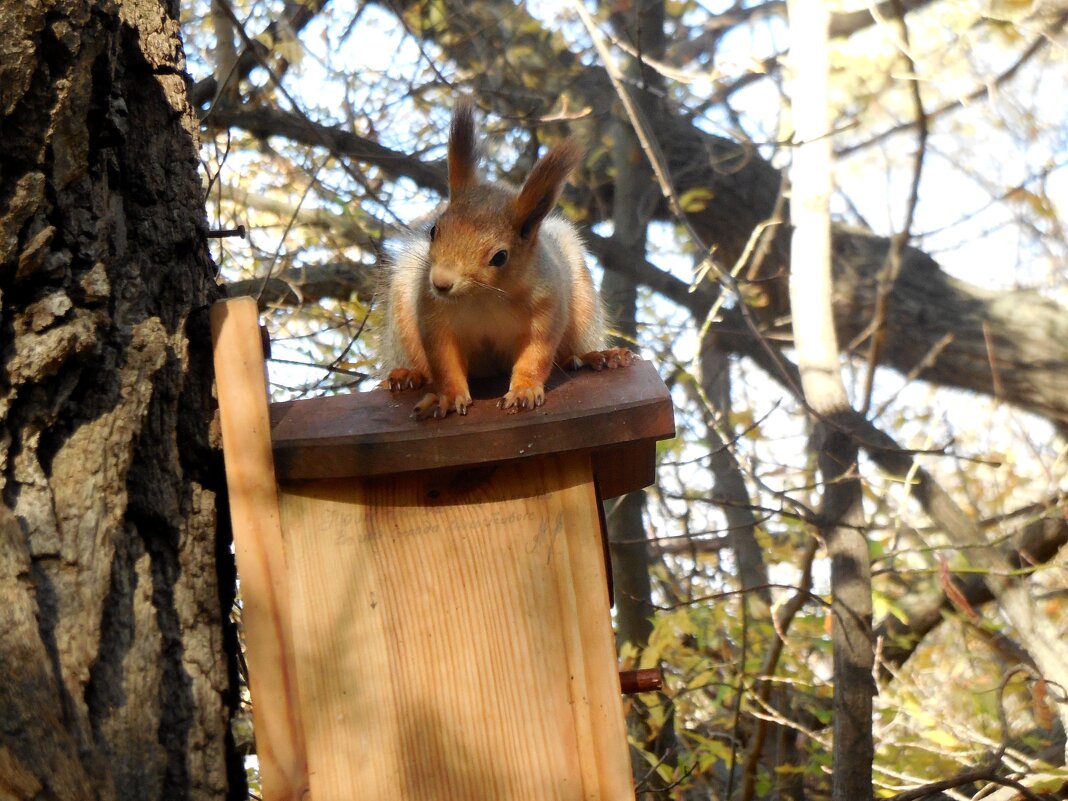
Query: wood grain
x=453 y=637
x=621 y=411
x=242 y=391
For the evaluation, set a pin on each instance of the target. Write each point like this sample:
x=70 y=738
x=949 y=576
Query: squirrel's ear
x=543 y=185
x=463 y=154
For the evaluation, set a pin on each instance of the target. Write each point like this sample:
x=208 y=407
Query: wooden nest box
x=426 y=609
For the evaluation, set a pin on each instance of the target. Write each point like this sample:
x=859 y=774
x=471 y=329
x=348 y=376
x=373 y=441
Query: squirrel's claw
x=438 y=405
x=520 y=398
x=403 y=378
x=604 y=359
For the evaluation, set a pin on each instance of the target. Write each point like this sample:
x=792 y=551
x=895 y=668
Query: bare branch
x=309 y=285
x=264 y=122
x=295 y=17
x=1036 y=544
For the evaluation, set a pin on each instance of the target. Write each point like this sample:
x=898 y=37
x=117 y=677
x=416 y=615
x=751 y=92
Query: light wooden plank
x=242 y=392
x=590 y=642
x=453 y=638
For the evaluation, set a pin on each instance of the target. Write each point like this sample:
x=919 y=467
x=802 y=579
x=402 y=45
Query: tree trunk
x=117 y=658
x=841 y=509
x=843 y=529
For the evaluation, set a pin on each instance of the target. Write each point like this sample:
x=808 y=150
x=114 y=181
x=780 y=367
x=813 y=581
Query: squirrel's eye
x=499 y=258
x=433 y=231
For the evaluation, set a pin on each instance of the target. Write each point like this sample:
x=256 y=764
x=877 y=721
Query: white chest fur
x=488 y=332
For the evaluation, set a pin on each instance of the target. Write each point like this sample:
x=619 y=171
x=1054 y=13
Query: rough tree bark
x=117 y=659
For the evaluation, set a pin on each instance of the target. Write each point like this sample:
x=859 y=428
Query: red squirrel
x=496 y=285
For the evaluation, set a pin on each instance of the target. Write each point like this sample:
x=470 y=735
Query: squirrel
x=495 y=285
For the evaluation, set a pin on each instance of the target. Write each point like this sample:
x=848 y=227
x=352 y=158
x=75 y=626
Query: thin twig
x=970 y=776
x=657 y=162
x=978 y=94
x=315 y=130
x=637 y=122
x=762 y=688
x=289 y=225
x=892 y=267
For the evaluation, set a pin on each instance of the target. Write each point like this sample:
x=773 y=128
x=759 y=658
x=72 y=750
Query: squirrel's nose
x=442 y=284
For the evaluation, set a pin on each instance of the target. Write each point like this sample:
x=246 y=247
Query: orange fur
x=495 y=285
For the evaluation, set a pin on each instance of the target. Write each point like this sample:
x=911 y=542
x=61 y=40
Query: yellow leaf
x=696 y=199
x=701 y=679
x=943 y=738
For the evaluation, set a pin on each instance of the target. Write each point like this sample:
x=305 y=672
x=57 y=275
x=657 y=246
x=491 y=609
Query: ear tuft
x=543 y=186
x=463 y=154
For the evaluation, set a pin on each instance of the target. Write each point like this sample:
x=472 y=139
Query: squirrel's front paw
x=523 y=396
x=605 y=359
x=435 y=404
x=404 y=378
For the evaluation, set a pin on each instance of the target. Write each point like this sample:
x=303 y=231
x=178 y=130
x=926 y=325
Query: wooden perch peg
x=642 y=680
